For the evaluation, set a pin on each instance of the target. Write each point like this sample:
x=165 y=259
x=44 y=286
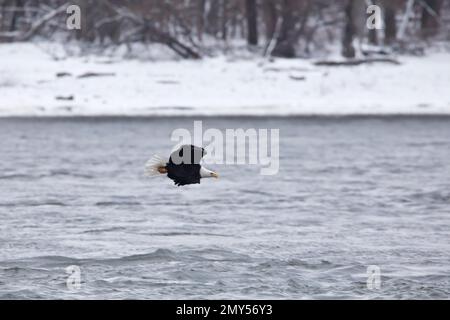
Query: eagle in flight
x=183 y=166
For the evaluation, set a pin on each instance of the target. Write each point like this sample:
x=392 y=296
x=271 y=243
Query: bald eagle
x=183 y=166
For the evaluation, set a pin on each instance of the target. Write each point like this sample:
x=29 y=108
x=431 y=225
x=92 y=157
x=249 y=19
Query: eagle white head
x=206 y=173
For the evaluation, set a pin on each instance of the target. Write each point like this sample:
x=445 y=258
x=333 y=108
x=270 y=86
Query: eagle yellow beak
x=215 y=175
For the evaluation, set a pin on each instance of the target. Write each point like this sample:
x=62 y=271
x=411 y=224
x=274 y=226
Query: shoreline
x=430 y=116
x=33 y=83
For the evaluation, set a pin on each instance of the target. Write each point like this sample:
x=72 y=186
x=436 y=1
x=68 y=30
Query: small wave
x=188 y=255
x=104 y=230
x=438 y=195
x=159 y=254
x=49 y=203
x=313 y=265
x=20 y=295
x=38 y=263
x=33 y=204
x=256 y=192
x=117 y=203
x=47 y=261
x=428 y=144
x=14 y=176
x=8 y=205
x=212 y=254
x=54 y=259
x=17 y=269
x=55 y=173
x=174 y=234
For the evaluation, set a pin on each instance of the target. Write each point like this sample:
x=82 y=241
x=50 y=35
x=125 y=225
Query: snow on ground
x=29 y=85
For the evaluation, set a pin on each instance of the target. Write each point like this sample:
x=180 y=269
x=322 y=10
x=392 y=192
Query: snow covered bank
x=33 y=82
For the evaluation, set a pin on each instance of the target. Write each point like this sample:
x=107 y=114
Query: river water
x=351 y=194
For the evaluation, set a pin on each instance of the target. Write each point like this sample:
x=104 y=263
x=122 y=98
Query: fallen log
x=96 y=74
x=355 y=62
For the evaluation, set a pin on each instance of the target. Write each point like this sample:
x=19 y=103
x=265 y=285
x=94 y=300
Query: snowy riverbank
x=33 y=82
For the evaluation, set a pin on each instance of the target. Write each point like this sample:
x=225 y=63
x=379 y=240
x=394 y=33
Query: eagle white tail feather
x=152 y=166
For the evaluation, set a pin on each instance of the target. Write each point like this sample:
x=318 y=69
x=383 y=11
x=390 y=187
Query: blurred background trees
x=195 y=28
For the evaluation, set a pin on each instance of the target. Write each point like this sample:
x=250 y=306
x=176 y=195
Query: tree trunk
x=348 y=51
x=201 y=19
x=2 y=14
x=252 y=22
x=213 y=18
x=18 y=5
x=224 y=19
x=390 y=31
x=429 y=21
x=373 y=37
x=285 y=45
x=270 y=18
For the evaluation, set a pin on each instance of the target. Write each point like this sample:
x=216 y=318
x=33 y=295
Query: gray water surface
x=350 y=193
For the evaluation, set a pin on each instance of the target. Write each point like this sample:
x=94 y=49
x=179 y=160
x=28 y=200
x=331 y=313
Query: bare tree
x=193 y=28
x=270 y=17
x=252 y=22
x=348 y=50
x=390 y=23
x=290 y=26
x=429 y=22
